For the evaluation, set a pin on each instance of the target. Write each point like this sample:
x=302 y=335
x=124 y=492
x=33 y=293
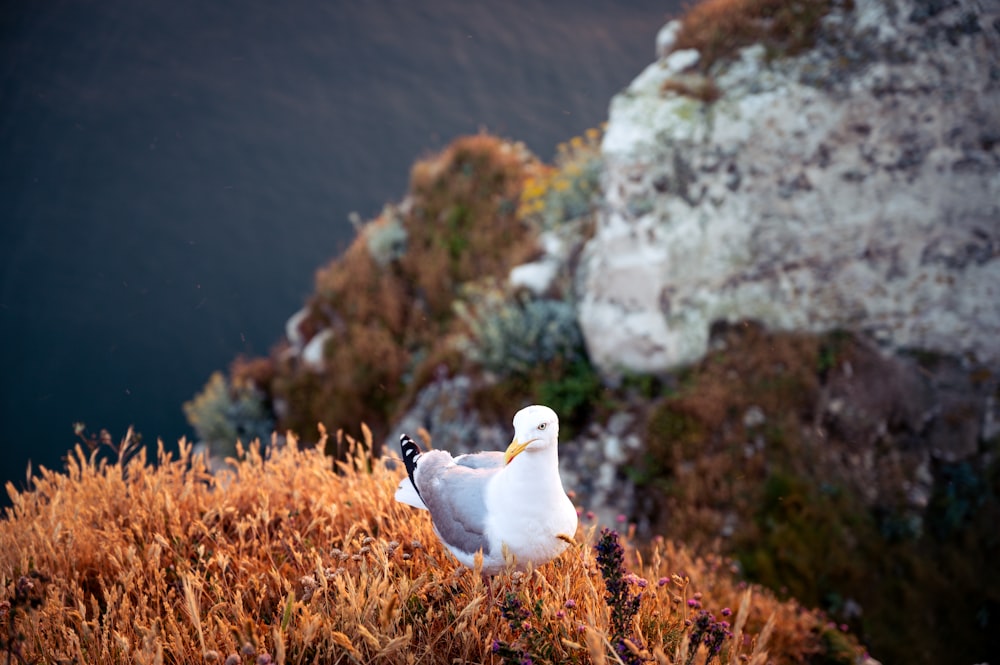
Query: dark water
x=173 y=172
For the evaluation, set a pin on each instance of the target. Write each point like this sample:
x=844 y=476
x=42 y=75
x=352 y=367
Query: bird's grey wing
x=486 y=460
x=455 y=495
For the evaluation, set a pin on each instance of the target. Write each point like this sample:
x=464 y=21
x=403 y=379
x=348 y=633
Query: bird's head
x=536 y=428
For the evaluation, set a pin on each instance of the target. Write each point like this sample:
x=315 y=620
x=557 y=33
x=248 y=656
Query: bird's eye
x=543 y=426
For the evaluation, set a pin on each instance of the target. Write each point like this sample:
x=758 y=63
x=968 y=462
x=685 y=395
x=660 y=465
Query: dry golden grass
x=290 y=557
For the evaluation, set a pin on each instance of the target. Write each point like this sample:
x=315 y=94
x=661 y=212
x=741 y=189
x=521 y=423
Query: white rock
x=666 y=38
x=613 y=451
x=292 y=330
x=678 y=61
x=536 y=277
x=754 y=417
x=856 y=187
x=312 y=355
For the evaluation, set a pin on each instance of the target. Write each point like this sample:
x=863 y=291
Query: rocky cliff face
x=856 y=185
x=840 y=187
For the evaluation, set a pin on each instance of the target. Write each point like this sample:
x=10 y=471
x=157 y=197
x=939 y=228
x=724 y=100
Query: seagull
x=495 y=503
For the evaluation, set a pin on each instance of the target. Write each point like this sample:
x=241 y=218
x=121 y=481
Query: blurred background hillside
x=173 y=173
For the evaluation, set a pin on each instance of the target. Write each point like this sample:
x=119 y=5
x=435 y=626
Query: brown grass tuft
x=285 y=556
x=702 y=88
x=719 y=28
x=390 y=312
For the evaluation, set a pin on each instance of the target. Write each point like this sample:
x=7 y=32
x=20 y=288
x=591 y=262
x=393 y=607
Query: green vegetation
x=568 y=190
x=226 y=412
x=508 y=336
x=795 y=504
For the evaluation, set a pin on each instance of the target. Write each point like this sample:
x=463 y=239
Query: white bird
x=495 y=502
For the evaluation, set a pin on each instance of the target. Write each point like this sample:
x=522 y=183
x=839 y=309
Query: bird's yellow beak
x=514 y=449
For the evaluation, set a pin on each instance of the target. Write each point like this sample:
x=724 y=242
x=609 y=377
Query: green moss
x=831 y=351
x=643 y=386
x=454 y=236
x=670 y=427
x=804 y=538
x=672 y=435
x=573 y=388
x=836 y=648
x=573 y=393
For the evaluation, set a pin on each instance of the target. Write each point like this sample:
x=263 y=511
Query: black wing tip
x=406 y=442
x=411 y=451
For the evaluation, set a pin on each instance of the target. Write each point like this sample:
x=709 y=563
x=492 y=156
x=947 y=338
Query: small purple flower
x=591 y=515
x=496 y=647
x=663 y=581
x=726 y=611
x=624 y=604
x=570 y=604
x=560 y=614
x=706 y=630
x=620 y=518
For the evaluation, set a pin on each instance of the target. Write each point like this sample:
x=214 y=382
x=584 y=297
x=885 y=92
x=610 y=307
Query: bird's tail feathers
x=407 y=493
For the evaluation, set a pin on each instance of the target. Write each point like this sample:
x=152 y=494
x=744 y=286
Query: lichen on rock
x=853 y=185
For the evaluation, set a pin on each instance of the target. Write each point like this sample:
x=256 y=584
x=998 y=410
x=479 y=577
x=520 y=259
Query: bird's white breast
x=531 y=522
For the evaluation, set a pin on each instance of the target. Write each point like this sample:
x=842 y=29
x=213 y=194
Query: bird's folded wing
x=455 y=494
x=492 y=459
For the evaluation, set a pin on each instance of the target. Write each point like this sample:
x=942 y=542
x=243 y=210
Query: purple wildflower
x=623 y=604
x=706 y=630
